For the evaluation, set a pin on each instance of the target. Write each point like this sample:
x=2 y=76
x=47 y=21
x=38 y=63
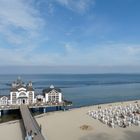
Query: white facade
x=22 y=97
x=52 y=95
x=25 y=94
x=4 y=100
x=21 y=93
x=60 y=97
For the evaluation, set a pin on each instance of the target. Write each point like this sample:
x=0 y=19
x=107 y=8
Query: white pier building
x=22 y=93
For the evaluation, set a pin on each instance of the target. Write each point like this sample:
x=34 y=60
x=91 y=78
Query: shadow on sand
x=128 y=135
x=22 y=129
x=132 y=135
x=100 y=136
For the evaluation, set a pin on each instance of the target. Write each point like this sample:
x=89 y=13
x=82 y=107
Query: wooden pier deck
x=30 y=123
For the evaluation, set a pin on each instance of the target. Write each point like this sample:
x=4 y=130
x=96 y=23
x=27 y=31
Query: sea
x=82 y=89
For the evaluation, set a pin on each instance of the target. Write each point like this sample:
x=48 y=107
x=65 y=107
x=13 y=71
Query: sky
x=103 y=35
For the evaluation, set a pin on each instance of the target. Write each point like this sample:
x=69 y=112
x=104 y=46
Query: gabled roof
x=22 y=89
x=47 y=90
x=13 y=89
x=19 y=84
x=5 y=96
x=16 y=86
x=30 y=88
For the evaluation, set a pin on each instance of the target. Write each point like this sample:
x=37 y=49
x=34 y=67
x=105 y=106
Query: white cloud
x=134 y=50
x=79 y=6
x=19 y=20
x=9 y=57
x=99 y=55
x=20 y=26
x=69 y=47
x=20 y=14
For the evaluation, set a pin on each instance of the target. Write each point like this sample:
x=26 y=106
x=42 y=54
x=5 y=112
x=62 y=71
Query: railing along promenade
x=30 y=124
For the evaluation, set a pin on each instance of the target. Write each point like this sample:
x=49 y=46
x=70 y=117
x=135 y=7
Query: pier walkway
x=30 y=124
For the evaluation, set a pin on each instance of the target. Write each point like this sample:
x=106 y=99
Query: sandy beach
x=73 y=124
x=12 y=130
x=68 y=126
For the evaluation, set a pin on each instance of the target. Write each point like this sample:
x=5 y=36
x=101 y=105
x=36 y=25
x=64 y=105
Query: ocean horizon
x=82 y=89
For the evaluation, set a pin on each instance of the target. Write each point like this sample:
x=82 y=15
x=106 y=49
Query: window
x=22 y=94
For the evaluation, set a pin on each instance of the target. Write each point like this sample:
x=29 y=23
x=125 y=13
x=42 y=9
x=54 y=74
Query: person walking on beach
x=29 y=136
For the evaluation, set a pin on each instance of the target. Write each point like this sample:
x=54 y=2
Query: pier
x=30 y=124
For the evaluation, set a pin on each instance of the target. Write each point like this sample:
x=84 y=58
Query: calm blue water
x=83 y=89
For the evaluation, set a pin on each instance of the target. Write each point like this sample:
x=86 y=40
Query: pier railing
x=31 y=126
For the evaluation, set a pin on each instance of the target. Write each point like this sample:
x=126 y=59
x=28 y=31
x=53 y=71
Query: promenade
x=31 y=126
